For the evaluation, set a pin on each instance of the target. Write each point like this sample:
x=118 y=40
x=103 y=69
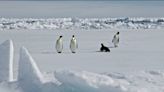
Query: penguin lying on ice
x=104 y=48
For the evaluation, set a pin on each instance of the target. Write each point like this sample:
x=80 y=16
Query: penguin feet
x=116 y=46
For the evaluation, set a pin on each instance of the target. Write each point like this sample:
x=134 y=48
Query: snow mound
x=82 y=23
x=6 y=61
x=9 y=87
x=86 y=82
x=145 y=81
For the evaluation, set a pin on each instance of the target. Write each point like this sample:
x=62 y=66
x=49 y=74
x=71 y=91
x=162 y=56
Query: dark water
x=82 y=9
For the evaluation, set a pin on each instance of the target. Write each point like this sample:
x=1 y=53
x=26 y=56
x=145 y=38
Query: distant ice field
x=80 y=23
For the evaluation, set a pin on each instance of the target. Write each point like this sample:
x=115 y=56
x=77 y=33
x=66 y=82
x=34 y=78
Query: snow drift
x=6 y=61
x=73 y=81
x=82 y=23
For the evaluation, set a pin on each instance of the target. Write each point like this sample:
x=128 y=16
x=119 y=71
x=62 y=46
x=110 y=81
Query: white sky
x=49 y=9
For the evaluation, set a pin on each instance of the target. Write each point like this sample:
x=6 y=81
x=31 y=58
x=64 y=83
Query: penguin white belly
x=73 y=46
x=59 y=46
x=116 y=40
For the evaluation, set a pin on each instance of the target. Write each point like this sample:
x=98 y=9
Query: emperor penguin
x=115 y=39
x=59 y=44
x=73 y=44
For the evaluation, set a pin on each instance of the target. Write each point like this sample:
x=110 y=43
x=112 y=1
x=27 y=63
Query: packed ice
x=81 y=23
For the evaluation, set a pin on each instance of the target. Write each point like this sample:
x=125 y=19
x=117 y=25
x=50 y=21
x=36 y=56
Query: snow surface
x=85 y=81
x=81 y=23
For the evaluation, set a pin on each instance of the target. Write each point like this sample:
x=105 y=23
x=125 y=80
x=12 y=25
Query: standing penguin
x=73 y=44
x=115 y=39
x=59 y=44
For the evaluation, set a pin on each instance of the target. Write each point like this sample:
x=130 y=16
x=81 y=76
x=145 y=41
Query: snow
x=6 y=61
x=85 y=81
x=81 y=23
x=30 y=79
x=135 y=66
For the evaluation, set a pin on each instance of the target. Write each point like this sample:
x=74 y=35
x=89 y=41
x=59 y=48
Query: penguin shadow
x=54 y=52
x=48 y=52
x=98 y=51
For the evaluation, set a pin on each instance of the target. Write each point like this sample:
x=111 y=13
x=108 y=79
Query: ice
x=29 y=76
x=73 y=81
x=6 y=61
x=81 y=23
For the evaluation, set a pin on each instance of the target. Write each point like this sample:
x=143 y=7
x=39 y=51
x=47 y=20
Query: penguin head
x=118 y=33
x=73 y=36
x=102 y=44
x=61 y=36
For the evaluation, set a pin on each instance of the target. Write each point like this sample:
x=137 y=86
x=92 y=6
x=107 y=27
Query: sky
x=38 y=9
